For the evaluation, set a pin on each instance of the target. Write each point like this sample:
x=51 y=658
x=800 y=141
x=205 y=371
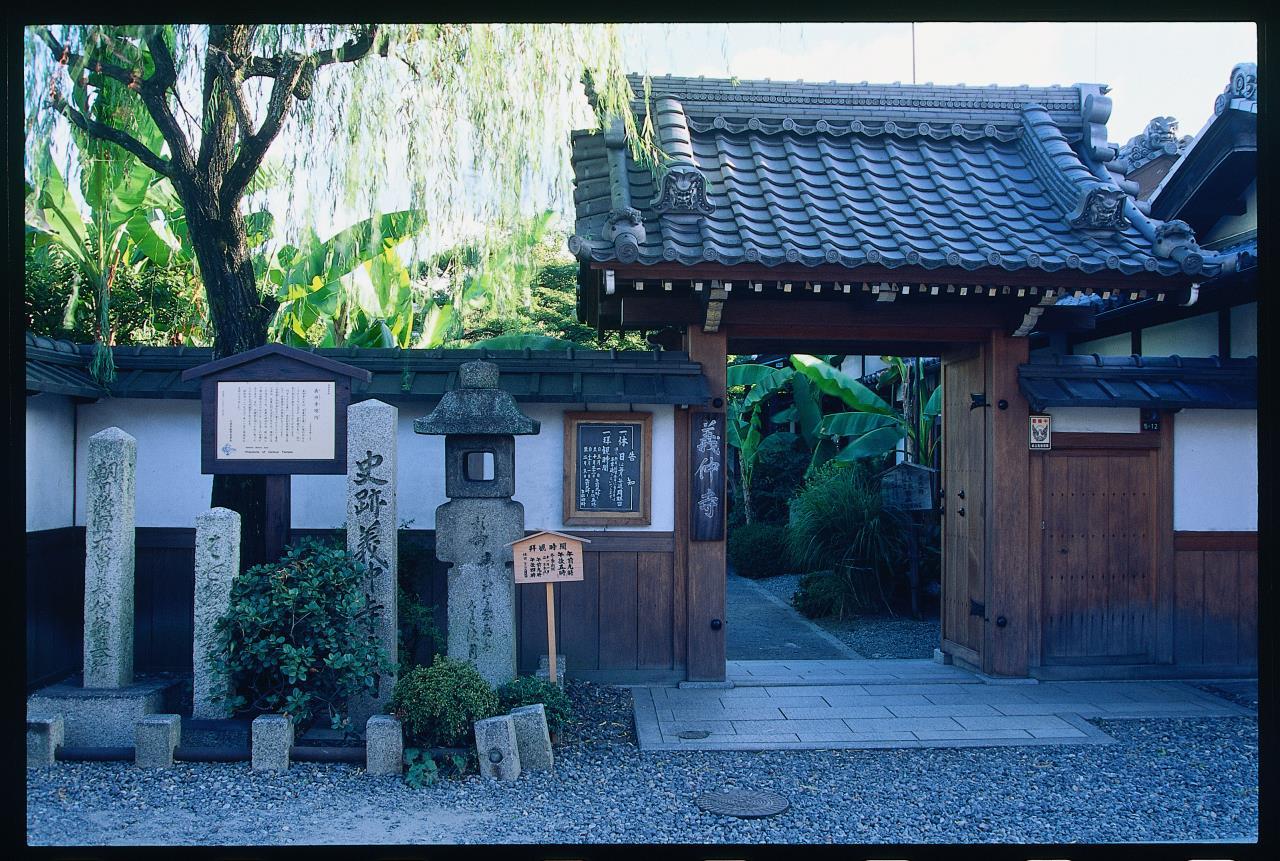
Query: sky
x=1154 y=69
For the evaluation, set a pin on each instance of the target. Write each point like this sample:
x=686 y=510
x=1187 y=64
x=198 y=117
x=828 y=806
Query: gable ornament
x=1243 y=85
x=684 y=189
x=1101 y=209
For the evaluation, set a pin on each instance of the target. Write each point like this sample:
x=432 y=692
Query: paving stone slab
x=910 y=724
x=1065 y=732
x=989 y=696
x=838 y=712
x=966 y=710
x=936 y=734
x=765 y=727
x=886 y=701
x=1019 y=722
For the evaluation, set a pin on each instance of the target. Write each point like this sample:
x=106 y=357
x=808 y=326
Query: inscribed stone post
x=371 y=527
x=217 y=563
x=109 y=559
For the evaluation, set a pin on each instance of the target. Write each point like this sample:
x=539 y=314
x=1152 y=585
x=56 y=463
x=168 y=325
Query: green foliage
x=299 y=637
x=438 y=704
x=529 y=690
x=423 y=768
x=780 y=466
x=758 y=550
x=838 y=524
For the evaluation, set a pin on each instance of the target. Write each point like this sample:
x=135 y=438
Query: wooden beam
x=1163 y=556
x=705 y=588
x=1006 y=647
x=1071 y=278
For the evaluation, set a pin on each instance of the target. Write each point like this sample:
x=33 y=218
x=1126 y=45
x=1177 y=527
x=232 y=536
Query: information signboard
x=607 y=470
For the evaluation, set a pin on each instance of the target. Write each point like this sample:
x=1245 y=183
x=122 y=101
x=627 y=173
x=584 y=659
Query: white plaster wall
x=1215 y=470
x=1194 y=337
x=172 y=492
x=1095 y=419
x=170 y=489
x=319 y=501
x=1114 y=345
x=1244 y=331
x=1232 y=227
x=50 y=465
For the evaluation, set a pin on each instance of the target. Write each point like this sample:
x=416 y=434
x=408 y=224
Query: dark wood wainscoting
x=1216 y=599
x=619 y=621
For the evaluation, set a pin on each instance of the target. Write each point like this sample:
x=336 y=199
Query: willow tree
x=472 y=119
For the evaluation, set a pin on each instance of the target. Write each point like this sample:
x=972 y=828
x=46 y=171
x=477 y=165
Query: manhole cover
x=743 y=803
x=694 y=733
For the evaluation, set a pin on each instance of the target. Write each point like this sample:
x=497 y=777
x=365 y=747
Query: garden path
x=760 y=626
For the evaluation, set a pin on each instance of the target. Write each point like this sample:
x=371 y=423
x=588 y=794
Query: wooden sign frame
x=575 y=547
x=574 y=516
x=707 y=487
x=274 y=363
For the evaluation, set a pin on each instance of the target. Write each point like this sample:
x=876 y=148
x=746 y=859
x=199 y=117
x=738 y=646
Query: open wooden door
x=964 y=435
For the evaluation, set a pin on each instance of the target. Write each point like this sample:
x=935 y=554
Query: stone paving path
x=761 y=626
x=833 y=704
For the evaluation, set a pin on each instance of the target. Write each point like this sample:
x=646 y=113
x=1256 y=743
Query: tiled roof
x=1150 y=382
x=1005 y=178
x=534 y=376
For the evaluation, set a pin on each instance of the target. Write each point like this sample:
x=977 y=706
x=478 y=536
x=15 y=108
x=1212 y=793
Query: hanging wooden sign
x=706 y=476
x=908 y=487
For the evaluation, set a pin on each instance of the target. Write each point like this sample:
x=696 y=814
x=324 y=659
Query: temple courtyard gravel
x=1165 y=780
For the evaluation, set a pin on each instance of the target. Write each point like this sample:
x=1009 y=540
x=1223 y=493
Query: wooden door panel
x=1098 y=578
x=964 y=431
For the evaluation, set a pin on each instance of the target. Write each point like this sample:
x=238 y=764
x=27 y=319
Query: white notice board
x=275 y=421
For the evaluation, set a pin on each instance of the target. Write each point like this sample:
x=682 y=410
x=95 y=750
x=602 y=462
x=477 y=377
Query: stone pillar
x=497 y=748
x=371 y=528
x=217 y=563
x=156 y=739
x=383 y=745
x=532 y=737
x=109 y=558
x=271 y=742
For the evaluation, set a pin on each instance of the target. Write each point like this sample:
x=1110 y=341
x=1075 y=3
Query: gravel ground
x=1166 y=780
x=872 y=636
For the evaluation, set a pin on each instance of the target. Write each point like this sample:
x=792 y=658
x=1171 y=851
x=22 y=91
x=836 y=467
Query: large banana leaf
x=873 y=443
x=855 y=424
x=832 y=381
x=767 y=386
x=807 y=399
x=748 y=374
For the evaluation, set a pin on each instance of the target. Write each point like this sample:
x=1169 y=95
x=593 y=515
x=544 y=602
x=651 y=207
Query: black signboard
x=706 y=476
x=607 y=471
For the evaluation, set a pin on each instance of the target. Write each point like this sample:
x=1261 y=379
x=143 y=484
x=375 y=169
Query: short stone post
x=383 y=745
x=497 y=749
x=44 y=737
x=544 y=669
x=533 y=738
x=109 y=559
x=156 y=738
x=272 y=742
x=217 y=563
x=371 y=528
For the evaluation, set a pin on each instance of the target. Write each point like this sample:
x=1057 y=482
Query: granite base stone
x=272 y=742
x=100 y=717
x=544 y=669
x=44 y=737
x=155 y=740
x=532 y=737
x=383 y=745
x=497 y=748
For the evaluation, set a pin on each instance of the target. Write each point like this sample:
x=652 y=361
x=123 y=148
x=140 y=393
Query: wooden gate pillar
x=1009 y=564
x=704 y=560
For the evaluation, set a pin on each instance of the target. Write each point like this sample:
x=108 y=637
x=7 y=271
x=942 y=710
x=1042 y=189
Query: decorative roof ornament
x=1159 y=138
x=684 y=189
x=625 y=229
x=1243 y=85
x=1102 y=208
x=1175 y=240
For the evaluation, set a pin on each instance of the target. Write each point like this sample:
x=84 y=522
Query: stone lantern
x=475 y=527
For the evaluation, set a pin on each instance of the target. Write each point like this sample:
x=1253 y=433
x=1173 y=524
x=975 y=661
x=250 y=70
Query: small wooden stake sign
x=548 y=557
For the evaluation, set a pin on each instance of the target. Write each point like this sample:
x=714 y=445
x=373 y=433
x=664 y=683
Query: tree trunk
x=239 y=323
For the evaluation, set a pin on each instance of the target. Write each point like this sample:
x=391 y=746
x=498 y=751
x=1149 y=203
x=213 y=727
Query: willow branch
x=111 y=134
x=60 y=51
x=254 y=148
x=358 y=48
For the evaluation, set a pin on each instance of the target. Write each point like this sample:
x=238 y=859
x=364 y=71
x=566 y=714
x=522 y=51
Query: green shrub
x=438 y=704
x=758 y=550
x=299 y=636
x=528 y=690
x=838 y=525
x=781 y=461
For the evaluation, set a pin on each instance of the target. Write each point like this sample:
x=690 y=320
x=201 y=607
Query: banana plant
x=117 y=233
x=355 y=282
x=870 y=427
